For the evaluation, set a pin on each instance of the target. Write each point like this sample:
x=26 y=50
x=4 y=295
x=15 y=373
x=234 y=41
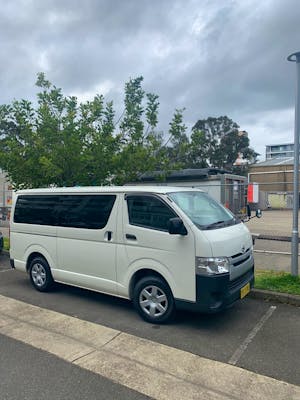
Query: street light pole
x=295 y=57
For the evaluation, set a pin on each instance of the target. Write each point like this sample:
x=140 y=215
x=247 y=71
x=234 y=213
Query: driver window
x=149 y=212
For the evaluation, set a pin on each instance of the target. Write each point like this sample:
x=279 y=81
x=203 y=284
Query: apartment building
x=283 y=150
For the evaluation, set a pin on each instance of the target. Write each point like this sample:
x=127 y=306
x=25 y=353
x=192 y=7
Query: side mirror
x=176 y=227
x=258 y=213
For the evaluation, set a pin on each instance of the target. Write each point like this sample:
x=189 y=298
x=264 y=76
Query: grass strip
x=6 y=243
x=282 y=282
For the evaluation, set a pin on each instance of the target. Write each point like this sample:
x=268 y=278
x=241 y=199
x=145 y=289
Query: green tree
x=63 y=143
x=179 y=149
x=217 y=142
x=139 y=146
x=96 y=129
x=56 y=131
x=199 y=150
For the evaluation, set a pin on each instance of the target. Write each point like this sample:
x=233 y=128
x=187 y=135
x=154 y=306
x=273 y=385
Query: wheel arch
x=141 y=273
x=36 y=253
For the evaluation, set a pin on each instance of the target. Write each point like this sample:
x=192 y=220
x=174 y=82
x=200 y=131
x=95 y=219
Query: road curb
x=267 y=295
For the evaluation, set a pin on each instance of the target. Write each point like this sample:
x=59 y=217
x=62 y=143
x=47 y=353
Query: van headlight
x=212 y=265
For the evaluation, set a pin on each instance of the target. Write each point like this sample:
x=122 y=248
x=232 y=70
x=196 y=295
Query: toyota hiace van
x=164 y=248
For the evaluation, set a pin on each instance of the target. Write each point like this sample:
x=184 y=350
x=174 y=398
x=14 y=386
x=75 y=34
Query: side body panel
x=172 y=256
x=87 y=257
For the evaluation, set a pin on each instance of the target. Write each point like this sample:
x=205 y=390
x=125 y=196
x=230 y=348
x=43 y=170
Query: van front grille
x=241 y=258
x=241 y=254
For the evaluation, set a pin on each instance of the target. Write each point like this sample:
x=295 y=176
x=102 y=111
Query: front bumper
x=215 y=293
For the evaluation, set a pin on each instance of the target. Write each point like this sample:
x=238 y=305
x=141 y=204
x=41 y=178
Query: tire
x=153 y=300
x=40 y=274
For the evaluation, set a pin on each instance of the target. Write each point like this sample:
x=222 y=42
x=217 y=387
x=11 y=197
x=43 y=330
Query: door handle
x=108 y=235
x=130 y=237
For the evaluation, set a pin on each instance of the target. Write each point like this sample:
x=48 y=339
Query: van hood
x=228 y=241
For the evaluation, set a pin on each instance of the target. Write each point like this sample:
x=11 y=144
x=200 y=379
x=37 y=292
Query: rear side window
x=149 y=212
x=76 y=211
x=89 y=212
x=36 y=210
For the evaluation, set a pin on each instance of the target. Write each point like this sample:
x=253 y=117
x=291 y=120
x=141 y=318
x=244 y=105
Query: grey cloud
x=212 y=57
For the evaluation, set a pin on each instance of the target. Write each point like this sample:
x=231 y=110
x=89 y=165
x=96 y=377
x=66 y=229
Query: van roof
x=109 y=189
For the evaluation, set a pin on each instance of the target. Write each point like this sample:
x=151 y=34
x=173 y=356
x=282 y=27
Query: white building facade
x=282 y=150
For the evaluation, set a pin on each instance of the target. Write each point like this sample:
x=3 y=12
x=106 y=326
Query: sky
x=211 y=57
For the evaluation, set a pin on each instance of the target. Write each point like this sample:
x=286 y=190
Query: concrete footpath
x=150 y=368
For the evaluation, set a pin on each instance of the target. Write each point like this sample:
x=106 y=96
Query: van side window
x=76 y=211
x=35 y=210
x=149 y=212
x=85 y=211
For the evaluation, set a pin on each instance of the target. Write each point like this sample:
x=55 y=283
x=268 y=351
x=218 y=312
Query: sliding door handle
x=108 y=236
x=130 y=237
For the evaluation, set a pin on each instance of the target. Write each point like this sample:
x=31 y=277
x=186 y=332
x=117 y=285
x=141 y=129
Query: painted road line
x=156 y=370
x=243 y=347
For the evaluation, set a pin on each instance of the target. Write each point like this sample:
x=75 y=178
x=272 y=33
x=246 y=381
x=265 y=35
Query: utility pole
x=295 y=57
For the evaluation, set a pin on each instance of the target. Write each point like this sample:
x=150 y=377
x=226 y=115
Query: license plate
x=245 y=290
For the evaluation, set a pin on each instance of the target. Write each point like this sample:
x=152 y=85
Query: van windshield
x=204 y=211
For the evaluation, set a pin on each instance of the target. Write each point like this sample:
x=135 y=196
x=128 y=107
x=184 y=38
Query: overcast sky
x=213 y=57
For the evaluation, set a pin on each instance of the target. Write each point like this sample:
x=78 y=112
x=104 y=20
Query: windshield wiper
x=215 y=224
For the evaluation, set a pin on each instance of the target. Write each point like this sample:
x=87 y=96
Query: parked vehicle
x=162 y=247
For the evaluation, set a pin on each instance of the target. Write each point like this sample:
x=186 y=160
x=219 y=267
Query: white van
x=162 y=247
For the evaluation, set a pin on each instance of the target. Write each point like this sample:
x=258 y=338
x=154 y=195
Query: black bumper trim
x=216 y=293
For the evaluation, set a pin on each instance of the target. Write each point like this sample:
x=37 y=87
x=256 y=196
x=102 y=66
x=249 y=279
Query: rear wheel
x=40 y=274
x=153 y=300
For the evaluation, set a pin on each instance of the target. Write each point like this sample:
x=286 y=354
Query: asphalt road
x=272 y=254
x=256 y=335
x=31 y=374
x=273 y=222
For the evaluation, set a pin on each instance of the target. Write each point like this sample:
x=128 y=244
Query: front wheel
x=40 y=274
x=153 y=300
